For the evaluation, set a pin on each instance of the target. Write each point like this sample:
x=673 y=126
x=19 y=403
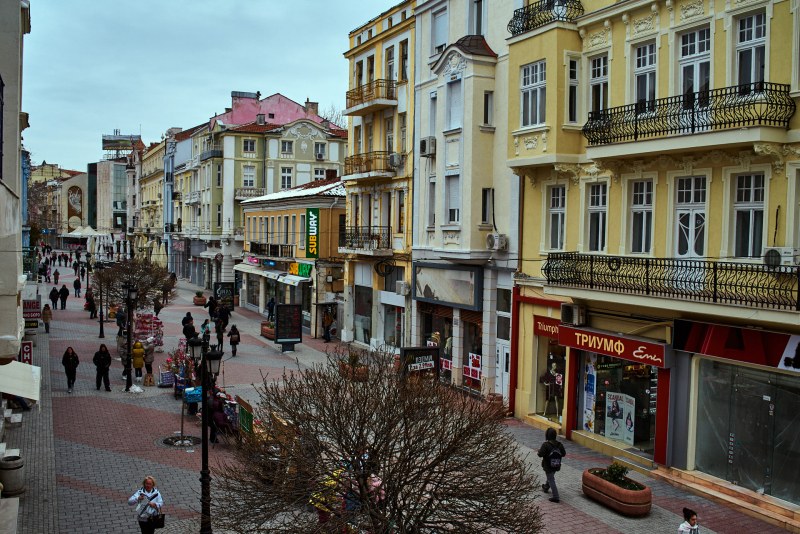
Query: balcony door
x=690 y=231
x=695 y=74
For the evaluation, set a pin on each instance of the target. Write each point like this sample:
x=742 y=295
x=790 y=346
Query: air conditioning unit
x=427 y=146
x=402 y=288
x=776 y=256
x=572 y=314
x=395 y=160
x=496 y=241
x=320 y=156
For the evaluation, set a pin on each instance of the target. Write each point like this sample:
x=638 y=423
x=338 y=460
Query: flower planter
x=357 y=373
x=199 y=301
x=634 y=503
x=267 y=331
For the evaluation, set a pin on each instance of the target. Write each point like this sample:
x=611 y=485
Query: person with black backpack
x=551 y=452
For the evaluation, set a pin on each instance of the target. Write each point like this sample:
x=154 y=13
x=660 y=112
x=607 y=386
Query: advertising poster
x=589 y=392
x=620 y=410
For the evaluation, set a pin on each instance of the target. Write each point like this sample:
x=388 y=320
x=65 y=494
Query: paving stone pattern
x=86 y=452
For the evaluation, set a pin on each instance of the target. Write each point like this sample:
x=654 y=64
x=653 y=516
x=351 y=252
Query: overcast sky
x=141 y=67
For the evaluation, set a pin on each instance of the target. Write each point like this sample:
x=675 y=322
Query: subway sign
x=312 y=232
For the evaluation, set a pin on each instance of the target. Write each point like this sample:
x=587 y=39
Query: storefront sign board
x=288 y=323
x=312 y=233
x=300 y=269
x=416 y=360
x=546 y=326
x=31 y=309
x=26 y=352
x=223 y=292
x=252 y=261
x=635 y=350
x=620 y=416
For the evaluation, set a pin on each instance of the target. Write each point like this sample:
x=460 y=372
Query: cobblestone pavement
x=87 y=451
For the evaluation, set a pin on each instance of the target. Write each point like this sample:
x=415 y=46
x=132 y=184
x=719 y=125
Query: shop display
x=150 y=326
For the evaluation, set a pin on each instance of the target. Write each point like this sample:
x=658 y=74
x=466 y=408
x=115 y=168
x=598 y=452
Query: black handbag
x=155 y=520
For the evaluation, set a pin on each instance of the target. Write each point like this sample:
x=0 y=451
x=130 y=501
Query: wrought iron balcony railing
x=192 y=197
x=243 y=193
x=377 y=161
x=272 y=250
x=741 y=284
x=739 y=106
x=544 y=12
x=211 y=151
x=374 y=90
x=366 y=237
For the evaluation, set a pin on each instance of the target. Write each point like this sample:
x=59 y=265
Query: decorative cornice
x=455 y=64
x=692 y=9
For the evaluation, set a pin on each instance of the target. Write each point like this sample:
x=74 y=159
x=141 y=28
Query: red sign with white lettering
x=626 y=348
x=26 y=352
x=546 y=326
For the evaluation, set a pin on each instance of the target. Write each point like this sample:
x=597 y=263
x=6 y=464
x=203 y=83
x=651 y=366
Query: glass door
x=751 y=430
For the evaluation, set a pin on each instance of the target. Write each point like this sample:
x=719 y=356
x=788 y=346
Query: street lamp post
x=99 y=266
x=210 y=361
x=130 y=297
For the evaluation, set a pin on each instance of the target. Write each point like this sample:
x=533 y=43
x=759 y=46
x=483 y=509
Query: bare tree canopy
x=352 y=443
x=334 y=115
x=151 y=281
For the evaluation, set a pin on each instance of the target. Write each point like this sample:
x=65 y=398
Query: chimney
x=260 y=119
x=312 y=107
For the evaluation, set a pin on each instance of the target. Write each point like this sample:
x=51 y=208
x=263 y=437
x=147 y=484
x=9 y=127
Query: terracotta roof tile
x=253 y=127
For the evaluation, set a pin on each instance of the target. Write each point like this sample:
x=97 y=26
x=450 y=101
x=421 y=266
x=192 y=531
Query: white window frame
x=694 y=49
x=287 y=146
x=403 y=129
x=645 y=58
x=248 y=176
x=219 y=215
x=556 y=209
x=400 y=209
x=487 y=205
x=248 y=145
x=389 y=56
x=533 y=90
x=319 y=148
x=641 y=201
x=749 y=197
x=438 y=31
x=455 y=104
x=319 y=173
x=389 y=126
x=751 y=39
x=293 y=231
x=477 y=17
x=302 y=243
x=598 y=82
x=431 y=201
x=286 y=177
x=488 y=108
x=573 y=89
x=597 y=216
x=452 y=188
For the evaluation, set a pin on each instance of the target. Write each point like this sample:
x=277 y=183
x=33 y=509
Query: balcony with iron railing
x=272 y=250
x=371 y=97
x=726 y=108
x=368 y=164
x=367 y=240
x=243 y=193
x=192 y=197
x=211 y=151
x=543 y=12
x=751 y=285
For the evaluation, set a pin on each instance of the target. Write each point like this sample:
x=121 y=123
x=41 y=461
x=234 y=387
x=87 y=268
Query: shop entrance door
x=502 y=366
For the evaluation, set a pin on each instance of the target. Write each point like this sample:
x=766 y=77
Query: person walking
x=77 y=286
x=70 y=362
x=149 y=357
x=102 y=361
x=138 y=359
x=187 y=319
x=91 y=305
x=551 y=452
x=220 y=333
x=205 y=331
x=271 y=309
x=148 y=502
x=56 y=275
x=224 y=315
x=689 y=525
x=211 y=304
x=63 y=295
x=327 y=321
x=235 y=339
x=75 y=267
x=83 y=272
x=157 y=306
x=47 y=274
x=122 y=321
x=188 y=330
x=47 y=316
x=54 y=297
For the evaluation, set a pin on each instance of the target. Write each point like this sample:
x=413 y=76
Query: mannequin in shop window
x=553 y=381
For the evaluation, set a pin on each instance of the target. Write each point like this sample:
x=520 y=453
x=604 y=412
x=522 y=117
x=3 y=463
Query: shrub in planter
x=268 y=329
x=611 y=487
x=199 y=299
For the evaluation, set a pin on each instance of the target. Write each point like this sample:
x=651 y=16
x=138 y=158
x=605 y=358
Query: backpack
x=554 y=458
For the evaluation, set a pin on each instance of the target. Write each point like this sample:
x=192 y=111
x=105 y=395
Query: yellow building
x=149 y=204
x=660 y=154
x=378 y=177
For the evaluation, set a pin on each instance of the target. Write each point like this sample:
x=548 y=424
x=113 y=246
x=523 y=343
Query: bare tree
x=334 y=115
x=378 y=453
x=151 y=281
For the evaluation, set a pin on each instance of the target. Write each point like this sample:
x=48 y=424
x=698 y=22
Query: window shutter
x=439 y=28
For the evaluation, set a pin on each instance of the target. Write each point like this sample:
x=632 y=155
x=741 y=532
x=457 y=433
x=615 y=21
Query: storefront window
x=550 y=400
x=473 y=351
x=362 y=320
x=438 y=331
x=619 y=400
x=393 y=325
x=253 y=289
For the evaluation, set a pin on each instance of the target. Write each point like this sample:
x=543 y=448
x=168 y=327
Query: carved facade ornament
x=644 y=25
x=531 y=142
x=304 y=131
x=692 y=9
x=570 y=170
x=455 y=64
x=777 y=153
x=745 y=2
x=544 y=141
x=598 y=39
x=516 y=146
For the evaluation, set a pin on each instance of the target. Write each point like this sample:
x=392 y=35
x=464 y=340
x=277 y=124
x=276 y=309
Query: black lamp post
x=210 y=362
x=99 y=266
x=130 y=297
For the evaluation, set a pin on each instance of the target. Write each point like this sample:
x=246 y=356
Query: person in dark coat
x=77 y=286
x=56 y=275
x=220 y=331
x=63 y=295
x=212 y=307
x=188 y=330
x=54 y=297
x=224 y=315
x=70 y=362
x=235 y=338
x=187 y=319
x=75 y=267
x=552 y=444
x=83 y=272
x=102 y=361
x=271 y=309
x=122 y=321
x=157 y=306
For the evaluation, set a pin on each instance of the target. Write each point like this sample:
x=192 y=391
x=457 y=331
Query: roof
x=336 y=132
x=329 y=188
x=186 y=134
x=475 y=45
x=253 y=127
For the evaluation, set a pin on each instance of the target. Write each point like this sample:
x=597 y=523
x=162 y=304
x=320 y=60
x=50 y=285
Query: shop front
x=260 y=284
x=550 y=358
x=747 y=410
x=621 y=392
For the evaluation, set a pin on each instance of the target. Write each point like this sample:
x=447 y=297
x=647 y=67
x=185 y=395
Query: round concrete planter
x=633 y=503
x=12 y=475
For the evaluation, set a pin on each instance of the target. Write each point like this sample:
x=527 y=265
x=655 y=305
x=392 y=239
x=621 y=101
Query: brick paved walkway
x=86 y=452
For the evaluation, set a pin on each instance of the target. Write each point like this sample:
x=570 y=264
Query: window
x=488 y=108
x=293 y=233
x=695 y=67
x=273 y=229
x=404 y=60
x=556 y=214
x=302 y=243
x=357 y=136
x=572 y=94
x=319 y=150
x=476 y=17
x=750 y=52
x=432 y=201
x=641 y=216
x=219 y=175
x=453 y=197
x=533 y=88
x=432 y=114
x=390 y=134
x=455 y=105
x=249 y=176
x=439 y=29
x=369 y=137
x=402 y=120
x=401 y=212
x=389 y=74
x=270 y=115
x=598 y=194
x=285 y=230
x=645 y=77
x=219 y=215
x=748 y=215
x=319 y=174
x=487 y=205
x=286 y=177
x=598 y=83
x=286 y=147
x=249 y=145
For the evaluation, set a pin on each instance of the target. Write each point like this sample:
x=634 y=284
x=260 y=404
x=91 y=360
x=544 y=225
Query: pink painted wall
x=244 y=111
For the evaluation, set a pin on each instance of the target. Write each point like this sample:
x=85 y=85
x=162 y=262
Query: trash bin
x=12 y=475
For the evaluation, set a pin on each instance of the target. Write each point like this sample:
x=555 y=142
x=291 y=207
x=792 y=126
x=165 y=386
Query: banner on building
x=312 y=232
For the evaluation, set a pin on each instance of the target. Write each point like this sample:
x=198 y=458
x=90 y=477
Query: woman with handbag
x=235 y=338
x=148 y=503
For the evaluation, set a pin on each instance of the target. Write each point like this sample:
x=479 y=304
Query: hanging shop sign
x=635 y=350
x=312 y=233
x=300 y=269
x=31 y=309
x=26 y=352
x=546 y=326
x=252 y=261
